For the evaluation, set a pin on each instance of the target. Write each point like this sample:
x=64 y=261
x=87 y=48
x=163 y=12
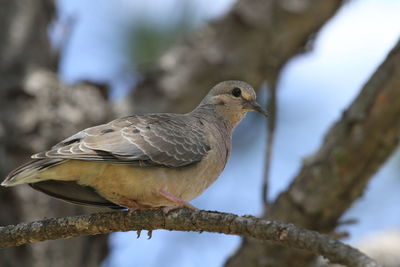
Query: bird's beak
x=253 y=105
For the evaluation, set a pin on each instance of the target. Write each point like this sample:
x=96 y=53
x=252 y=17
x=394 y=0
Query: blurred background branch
x=251 y=42
x=36 y=110
x=336 y=175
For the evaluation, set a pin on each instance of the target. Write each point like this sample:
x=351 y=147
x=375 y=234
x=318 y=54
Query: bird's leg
x=179 y=203
x=131 y=204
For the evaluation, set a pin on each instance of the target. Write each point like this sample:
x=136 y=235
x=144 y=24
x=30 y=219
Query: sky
x=314 y=89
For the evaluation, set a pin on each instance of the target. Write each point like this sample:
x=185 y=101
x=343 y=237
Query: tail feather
x=69 y=191
x=28 y=173
x=75 y=193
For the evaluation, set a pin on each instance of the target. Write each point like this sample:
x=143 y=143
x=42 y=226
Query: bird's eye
x=236 y=92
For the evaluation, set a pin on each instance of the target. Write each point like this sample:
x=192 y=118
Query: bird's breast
x=142 y=184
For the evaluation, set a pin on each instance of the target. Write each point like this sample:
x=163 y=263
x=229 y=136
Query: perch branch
x=183 y=220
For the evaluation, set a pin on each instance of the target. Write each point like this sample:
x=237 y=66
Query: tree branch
x=183 y=220
x=353 y=150
x=251 y=42
x=333 y=178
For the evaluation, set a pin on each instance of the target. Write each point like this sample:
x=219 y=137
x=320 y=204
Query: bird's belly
x=119 y=182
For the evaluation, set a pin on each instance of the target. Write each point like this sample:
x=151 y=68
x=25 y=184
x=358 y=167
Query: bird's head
x=232 y=100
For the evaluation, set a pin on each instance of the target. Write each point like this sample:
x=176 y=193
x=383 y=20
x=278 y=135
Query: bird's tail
x=29 y=172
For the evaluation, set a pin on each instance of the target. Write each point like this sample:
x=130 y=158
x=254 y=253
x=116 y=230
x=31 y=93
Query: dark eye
x=236 y=92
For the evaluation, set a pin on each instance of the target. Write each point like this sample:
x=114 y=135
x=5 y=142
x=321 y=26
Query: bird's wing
x=155 y=139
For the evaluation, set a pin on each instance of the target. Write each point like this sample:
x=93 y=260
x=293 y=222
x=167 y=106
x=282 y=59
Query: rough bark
x=36 y=110
x=251 y=42
x=184 y=220
x=337 y=174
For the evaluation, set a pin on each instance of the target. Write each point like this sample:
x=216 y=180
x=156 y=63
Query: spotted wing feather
x=156 y=139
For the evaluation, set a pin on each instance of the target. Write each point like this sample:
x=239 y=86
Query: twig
x=183 y=220
x=271 y=125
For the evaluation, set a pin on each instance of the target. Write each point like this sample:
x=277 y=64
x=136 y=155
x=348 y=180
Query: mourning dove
x=143 y=161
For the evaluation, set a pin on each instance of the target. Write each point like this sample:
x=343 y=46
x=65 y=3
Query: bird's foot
x=132 y=205
x=167 y=209
x=179 y=203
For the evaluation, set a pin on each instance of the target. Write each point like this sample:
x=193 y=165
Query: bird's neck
x=219 y=115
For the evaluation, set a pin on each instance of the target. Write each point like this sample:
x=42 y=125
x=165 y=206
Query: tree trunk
x=35 y=112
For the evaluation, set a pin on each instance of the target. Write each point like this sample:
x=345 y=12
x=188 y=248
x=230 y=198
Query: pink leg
x=179 y=203
x=132 y=204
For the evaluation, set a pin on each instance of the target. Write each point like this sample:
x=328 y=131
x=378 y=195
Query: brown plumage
x=143 y=161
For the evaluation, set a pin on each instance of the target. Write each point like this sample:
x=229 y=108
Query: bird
x=148 y=161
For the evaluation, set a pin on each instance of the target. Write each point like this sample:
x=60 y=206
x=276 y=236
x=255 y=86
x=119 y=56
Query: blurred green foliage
x=148 y=40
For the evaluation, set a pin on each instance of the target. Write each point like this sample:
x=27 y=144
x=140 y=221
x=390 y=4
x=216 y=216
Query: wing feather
x=168 y=140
